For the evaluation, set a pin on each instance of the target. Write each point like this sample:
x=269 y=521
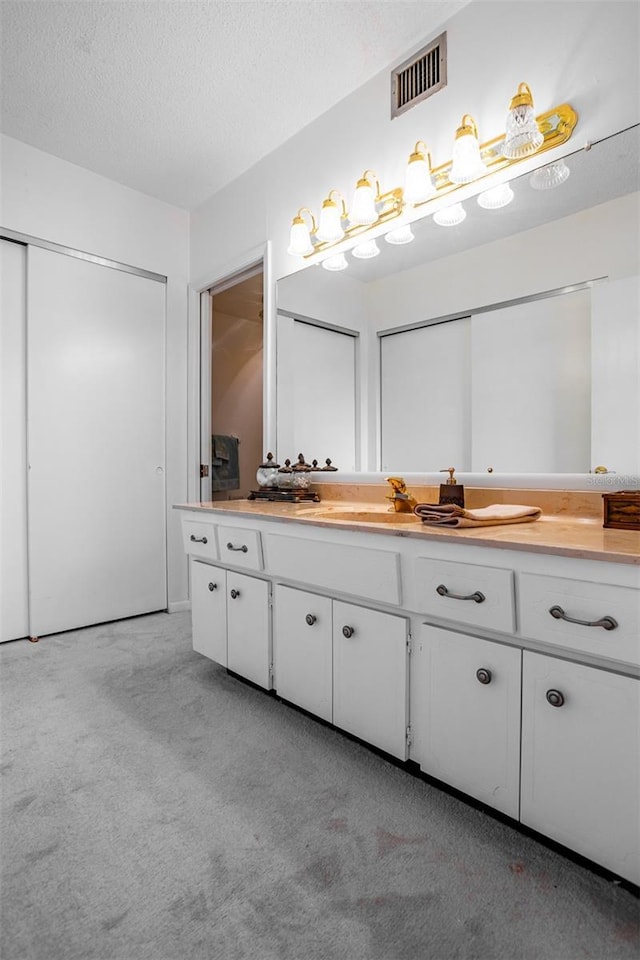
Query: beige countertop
x=553 y=534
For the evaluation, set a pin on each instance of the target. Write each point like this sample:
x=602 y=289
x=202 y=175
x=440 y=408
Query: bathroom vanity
x=504 y=661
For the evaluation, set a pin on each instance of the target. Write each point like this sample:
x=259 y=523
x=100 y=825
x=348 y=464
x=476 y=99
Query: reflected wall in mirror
x=511 y=341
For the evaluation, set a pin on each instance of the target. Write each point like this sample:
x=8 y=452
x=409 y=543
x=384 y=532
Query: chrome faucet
x=400 y=497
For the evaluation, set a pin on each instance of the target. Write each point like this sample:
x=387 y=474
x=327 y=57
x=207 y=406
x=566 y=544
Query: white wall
x=48 y=198
x=584 y=53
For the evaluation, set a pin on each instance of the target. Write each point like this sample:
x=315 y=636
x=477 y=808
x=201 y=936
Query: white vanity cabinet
x=465 y=714
x=231 y=621
x=580 y=781
x=344 y=663
x=370 y=676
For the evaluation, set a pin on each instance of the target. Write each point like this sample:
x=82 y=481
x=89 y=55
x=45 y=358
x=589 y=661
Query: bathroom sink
x=363 y=516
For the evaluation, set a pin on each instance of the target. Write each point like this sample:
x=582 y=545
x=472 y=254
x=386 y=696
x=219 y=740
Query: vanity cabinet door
x=465 y=715
x=248 y=628
x=580 y=758
x=370 y=676
x=302 y=654
x=209 y=611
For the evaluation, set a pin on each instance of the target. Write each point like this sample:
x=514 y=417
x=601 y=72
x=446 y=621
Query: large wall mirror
x=509 y=343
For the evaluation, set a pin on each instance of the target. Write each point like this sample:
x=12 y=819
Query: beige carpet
x=154 y=807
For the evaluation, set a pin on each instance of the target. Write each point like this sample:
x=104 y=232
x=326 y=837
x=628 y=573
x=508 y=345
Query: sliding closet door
x=14 y=620
x=95 y=372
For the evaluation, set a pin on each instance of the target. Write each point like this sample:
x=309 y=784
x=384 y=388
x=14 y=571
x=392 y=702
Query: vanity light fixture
x=523 y=135
x=299 y=237
x=496 y=197
x=546 y=178
x=450 y=216
x=467 y=164
x=400 y=235
x=366 y=250
x=418 y=185
x=363 y=209
x=330 y=228
x=337 y=262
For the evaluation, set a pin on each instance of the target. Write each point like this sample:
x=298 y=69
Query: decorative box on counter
x=622 y=510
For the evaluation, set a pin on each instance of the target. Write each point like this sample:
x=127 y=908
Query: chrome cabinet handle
x=243 y=549
x=213 y=586
x=311 y=619
x=235 y=594
x=195 y=539
x=607 y=623
x=555 y=698
x=483 y=675
x=348 y=632
x=477 y=597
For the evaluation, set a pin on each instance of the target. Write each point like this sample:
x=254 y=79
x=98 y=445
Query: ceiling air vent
x=420 y=76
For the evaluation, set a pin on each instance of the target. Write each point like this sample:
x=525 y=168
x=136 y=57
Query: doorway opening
x=232 y=400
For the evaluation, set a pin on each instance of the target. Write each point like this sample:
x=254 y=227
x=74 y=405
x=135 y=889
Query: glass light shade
x=400 y=235
x=496 y=197
x=299 y=239
x=467 y=164
x=329 y=226
x=363 y=209
x=418 y=183
x=337 y=262
x=366 y=250
x=546 y=178
x=450 y=216
x=522 y=134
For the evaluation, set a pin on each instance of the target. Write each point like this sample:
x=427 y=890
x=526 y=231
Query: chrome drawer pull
x=310 y=619
x=195 y=539
x=243 y=549
x=555 y=698
x=477 y=597
x=607 y=623
x=235 y=594
x=483 y=675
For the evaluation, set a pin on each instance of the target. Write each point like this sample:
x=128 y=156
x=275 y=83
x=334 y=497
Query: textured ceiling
x=176 y=98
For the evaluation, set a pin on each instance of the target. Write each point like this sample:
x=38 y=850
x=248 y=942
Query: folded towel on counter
x=450 y=515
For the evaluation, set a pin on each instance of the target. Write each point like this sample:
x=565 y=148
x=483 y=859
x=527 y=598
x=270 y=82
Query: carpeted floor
x=154 y=807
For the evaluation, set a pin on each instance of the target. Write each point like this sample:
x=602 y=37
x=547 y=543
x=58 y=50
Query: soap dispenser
x=451 y=491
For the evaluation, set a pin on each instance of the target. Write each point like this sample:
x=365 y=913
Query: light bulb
x=330 y=228
x=522 y=135
x=467 y=164
x=546 y=178
x=418 y=183
x=366 y=250
x=496 y=197
x=299 y=240
x=450 y=216
x=363 y=209
x=400 y=235
x=337 y=262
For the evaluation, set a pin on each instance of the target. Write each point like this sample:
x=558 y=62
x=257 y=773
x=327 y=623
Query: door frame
x=197 y=348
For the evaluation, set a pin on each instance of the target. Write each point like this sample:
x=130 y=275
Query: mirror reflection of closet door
x=96 y=443
x=316 y=372
x=14 y=616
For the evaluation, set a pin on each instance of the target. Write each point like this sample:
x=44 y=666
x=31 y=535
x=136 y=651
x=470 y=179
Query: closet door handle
x=235 y=594
x=477 y=597
x=195 y=539
x=607 y=623
x=243 y=549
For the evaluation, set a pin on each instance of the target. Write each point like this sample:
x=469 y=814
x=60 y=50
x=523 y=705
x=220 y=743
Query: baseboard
x=178 y=606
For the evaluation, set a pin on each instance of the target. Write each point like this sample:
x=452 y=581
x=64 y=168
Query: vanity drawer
x=240 y=547
x=199 y=537
x=338 y=568
x=580 y=600
x=466 y=593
